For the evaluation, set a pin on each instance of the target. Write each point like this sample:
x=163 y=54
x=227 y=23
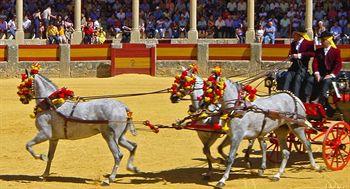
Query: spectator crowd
x=102 y=19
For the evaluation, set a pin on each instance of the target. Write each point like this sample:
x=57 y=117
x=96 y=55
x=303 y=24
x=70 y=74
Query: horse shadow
x=32 y=178
x=183 y=175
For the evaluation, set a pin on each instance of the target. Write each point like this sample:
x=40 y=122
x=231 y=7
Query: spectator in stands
x=11 y=28
x=242 y=6
x=100 y=36
x=336 y=31
x=61 y=34
x=202 y=27
x=343 y=23
x=37 y=18
x=231 y=6
x=319 y=13
x=285 y=26
x=319 y=30
x=229 y=29
x=183 y=26
x=240 y=35
x=3 y=27
x=150 y=28
x=88 y=33
x=270 y=31
x=46 y=16
x=260 y=34
x=52 y=33
x=69 y=33
x=27 y=23
x=219 y=25
x=160 y=28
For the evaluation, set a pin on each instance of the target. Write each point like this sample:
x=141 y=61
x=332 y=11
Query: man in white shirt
x=11 y=28
x=231 y=6
x=27 y=23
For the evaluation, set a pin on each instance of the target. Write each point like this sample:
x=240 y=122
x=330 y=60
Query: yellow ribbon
x=304 y=35
x=330 y=40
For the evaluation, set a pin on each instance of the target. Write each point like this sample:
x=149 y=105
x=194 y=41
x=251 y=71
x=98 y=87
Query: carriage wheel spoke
x=342 y=157
x=347 y=153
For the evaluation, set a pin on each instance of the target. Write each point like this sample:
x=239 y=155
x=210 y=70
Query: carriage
x=330 y=125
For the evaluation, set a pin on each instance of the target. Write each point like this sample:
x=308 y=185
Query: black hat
x=326 y=34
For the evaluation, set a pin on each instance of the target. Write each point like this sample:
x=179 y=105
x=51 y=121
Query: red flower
x=33 y=72
x=24 y=77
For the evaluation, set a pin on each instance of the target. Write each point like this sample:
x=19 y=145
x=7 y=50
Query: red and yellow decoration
x=60 y=96
x=251 y=93
x=213 y=87
x=185 y=81
x=25 y=88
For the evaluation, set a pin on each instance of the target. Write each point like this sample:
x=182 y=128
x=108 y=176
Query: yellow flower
x=209 y=90
x=188 y=79
x=206 y=99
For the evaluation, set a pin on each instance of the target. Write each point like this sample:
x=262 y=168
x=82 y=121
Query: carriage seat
x=315 y=111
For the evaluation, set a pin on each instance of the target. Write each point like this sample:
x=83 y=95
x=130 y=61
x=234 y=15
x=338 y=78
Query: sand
x=169 y=159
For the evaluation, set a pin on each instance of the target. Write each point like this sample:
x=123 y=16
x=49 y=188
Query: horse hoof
x=133 y=169
x=275 y=179
x=220 y=185
x=105 y=182
x=42 y=178
x=206 y=176
x=261 y=172
x=248 y=165
x=321 y=169
x=43 y=157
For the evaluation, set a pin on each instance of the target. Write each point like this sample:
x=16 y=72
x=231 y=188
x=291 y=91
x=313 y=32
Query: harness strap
x=263 y=125
x=66 y=120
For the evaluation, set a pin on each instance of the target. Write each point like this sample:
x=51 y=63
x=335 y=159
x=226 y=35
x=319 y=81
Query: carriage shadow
x=192 y=175
x=32 y=178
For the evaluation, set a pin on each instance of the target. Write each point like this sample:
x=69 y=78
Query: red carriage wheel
x=274 y=155
x=336 y=146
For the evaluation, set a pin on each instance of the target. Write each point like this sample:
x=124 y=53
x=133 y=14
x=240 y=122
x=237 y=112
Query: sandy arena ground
x=169 y=159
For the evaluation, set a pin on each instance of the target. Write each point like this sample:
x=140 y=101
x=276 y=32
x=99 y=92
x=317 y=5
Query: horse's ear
x=27 y=72
x=183 y=68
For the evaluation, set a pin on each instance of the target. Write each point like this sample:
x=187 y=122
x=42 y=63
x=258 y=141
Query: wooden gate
x=133 y=59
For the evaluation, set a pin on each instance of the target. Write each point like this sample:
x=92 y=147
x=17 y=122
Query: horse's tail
x=129 y=123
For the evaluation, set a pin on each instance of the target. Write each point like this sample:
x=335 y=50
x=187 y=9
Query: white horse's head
x=34 y=85
x=184 y=83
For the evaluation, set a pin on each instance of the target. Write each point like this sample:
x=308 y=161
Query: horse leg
x=300 y=133
x=224 y=143
x=281 y=134
x=113 y=146
x=51 y=153
x=207 y=143
x=236 y=139
x=39 y=138
x=131 y=146
x=263 y=147
x=247 y=153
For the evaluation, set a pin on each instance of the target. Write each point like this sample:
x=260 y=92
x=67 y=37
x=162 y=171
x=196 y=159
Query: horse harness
x=46 y=104
x=241 y=107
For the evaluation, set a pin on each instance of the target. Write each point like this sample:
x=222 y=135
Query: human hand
x=294 y=55
x=318 y=77
x=327 y=77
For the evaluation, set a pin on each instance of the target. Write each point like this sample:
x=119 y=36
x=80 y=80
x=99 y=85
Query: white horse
x=255 y=124
x=209 y=138
x=74 y=121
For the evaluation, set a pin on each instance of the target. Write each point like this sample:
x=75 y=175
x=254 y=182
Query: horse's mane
x=48 y=80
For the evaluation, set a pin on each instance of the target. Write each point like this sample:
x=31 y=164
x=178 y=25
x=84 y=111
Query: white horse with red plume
x=58 y=115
